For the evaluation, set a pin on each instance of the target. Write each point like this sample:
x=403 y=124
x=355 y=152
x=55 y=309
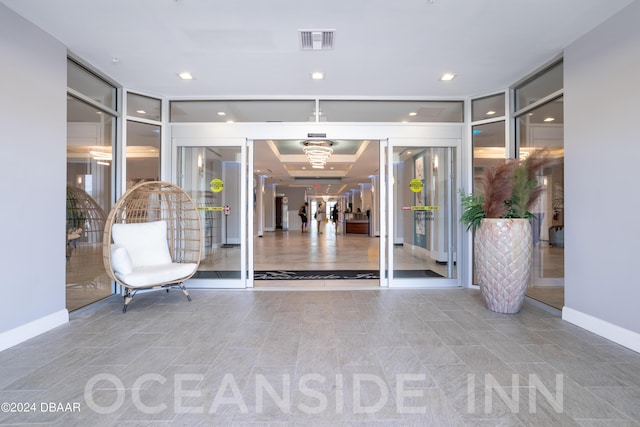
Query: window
x=143 y=139
x=539 y=123
x=91 y=124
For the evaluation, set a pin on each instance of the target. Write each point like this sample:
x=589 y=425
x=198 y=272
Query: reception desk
x=355 y=223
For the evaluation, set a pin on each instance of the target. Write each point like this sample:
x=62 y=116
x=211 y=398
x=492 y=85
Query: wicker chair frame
x=85 y=221
x=154 y=201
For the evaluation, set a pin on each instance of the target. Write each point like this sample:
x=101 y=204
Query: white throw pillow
x=146 y=243
x=120 y=260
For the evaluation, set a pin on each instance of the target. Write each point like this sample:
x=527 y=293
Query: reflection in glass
x=143 y=153
x=207 y=111
x=143 y=107
x=544 y=127
x=488 y=147
x=225 y=111
x=489 y=150
x=211 y=176
x=422 y=218
x=392 y=111
x=487 y=107
x=83 y=81
x=540 y=86
x=90 y=135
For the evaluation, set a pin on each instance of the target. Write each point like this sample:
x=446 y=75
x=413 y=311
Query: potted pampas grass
x=499 y=214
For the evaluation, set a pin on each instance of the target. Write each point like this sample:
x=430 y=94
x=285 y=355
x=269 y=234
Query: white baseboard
x=34 y=328
x=603 y=328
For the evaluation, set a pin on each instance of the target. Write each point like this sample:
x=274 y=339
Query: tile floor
x=326 y=358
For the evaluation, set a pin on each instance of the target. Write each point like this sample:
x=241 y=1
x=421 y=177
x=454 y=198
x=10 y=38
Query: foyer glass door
x=421 y=215
x=215 y=177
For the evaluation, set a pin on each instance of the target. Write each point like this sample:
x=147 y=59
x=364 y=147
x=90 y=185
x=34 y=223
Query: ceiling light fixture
x=549 y=119
x=185 y=76
x=447 y=77
x=100 y=155
x=141 y=112
x=413 y=113
x=317 y=152
x=317 y=75
x=490 y=113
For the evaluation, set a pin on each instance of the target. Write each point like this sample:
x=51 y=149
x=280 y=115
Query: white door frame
x=244 y=135
x=452 y=144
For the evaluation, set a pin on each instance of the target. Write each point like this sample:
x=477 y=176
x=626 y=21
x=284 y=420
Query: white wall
x=33 y=163
x=602 y=102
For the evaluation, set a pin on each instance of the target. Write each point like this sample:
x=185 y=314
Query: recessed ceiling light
x=549 y=119
x=490 y=113
x=317 y=75
x=447 y=77
x=222 y=113
x=185 y=76
x=141 y=112
x=304 y=167
x=413 y=113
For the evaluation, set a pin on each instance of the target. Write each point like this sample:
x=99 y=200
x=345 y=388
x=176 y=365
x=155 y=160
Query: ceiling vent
x=316 y=39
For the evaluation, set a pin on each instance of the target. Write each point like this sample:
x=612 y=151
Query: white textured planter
x=503 y=262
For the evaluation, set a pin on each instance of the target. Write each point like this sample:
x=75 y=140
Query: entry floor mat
x=316 y=274
x=338 y=274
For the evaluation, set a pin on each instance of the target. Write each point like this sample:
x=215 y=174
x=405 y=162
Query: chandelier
x=318 y=152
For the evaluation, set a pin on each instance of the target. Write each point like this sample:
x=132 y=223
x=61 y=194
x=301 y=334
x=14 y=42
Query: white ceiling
x=251 y=48
x=283 y=162
x=391 y=49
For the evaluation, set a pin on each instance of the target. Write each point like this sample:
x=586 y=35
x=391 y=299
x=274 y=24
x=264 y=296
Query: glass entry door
x=215 y=177
x=421 y=215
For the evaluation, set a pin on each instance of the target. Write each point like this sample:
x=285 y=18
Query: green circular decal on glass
x=216 y=185
x=415 y=185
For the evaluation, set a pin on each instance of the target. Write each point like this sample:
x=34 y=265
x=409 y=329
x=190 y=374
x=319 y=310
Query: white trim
x=612 y=332
x=34 y=328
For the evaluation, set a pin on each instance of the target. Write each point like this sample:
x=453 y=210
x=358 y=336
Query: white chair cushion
x=146 y=243
x=120 y=260
x=152 y=275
